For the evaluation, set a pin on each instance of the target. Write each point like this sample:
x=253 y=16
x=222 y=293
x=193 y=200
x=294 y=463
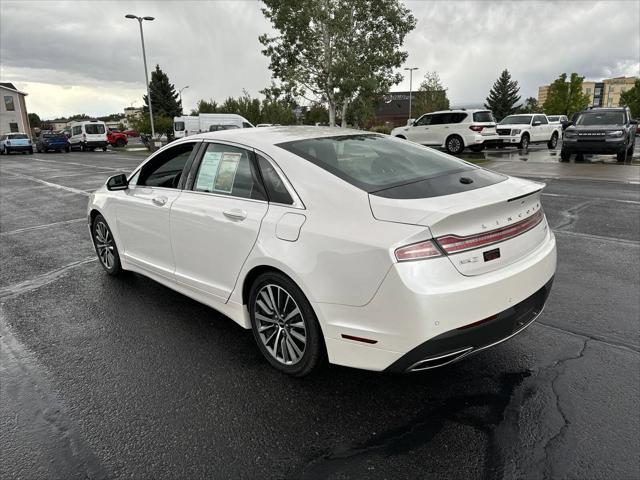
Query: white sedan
x=358 y=248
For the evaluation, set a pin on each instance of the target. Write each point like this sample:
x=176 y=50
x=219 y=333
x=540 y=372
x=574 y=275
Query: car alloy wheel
x=454 y=145
x=524 y=143
x=104 y=245
x=281 y=324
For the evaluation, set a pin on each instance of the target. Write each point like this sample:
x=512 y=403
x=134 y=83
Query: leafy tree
x=430 y=96
x=631 y=98
x=316 y=113
x=503 y=96
x=164 y=97
x=566 y=97
x=335 y=50
x=161 y=123
x=34 y=120
x=277 y=111
x=530 y=106
x=204 y=106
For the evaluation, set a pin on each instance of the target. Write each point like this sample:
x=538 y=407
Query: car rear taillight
x=476 y=128
x=417 y=251
x=454 y=244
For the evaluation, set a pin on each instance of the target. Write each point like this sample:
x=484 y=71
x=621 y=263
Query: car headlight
x=515 y=131
x=615 y=133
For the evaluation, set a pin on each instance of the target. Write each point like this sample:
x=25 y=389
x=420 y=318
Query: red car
x=117 y=139
x=131 y=133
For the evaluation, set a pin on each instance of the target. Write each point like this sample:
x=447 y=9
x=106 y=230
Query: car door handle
x=235 y=214
x=160 y=201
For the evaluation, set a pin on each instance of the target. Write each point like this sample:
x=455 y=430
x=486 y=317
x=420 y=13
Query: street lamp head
x=148 y=18
x=130 y=16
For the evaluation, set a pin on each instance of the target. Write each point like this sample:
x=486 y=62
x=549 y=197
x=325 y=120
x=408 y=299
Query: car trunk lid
x=484 y=229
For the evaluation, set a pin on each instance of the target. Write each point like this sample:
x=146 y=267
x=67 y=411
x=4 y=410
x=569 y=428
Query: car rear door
x=143 y=210
x=216 y=220
x=540 y=133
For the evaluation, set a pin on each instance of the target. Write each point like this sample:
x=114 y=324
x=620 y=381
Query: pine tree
x=503 y=96
x=164 y=98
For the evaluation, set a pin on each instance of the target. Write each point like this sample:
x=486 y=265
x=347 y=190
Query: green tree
x=631 y=99
x=334 y=50
x=161 y=123
x=164 y=97
x=34 y=120
x=530 y=106
x=204 y=106
x=566 y=97
x=503 y=96
x=430 y=96
x=316 y=113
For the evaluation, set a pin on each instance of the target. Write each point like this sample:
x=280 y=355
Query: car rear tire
x=565 y=156
x=454 y=144
x=105 y=246
x=285 y=326
x=524 y=142
x=622 y=156
x=104 y=149
x=120 y=143
x=553 y=141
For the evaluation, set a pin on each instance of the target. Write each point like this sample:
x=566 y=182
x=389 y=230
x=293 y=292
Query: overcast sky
x=85 y=57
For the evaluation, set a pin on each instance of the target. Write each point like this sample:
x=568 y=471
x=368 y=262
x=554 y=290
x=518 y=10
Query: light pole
x=146 y=74
x=180 y=93
x=410 y=86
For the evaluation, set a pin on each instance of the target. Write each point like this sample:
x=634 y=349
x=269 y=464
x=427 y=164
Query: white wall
x=15 y=116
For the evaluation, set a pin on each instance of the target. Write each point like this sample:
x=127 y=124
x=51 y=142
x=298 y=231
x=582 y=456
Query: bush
x=386 y=129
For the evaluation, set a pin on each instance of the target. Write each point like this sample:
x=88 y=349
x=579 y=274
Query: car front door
x=143 y=210
x=419 y=131
x=440 y=128
x=216 y=220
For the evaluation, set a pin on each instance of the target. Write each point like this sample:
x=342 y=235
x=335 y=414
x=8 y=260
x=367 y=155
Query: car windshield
x=554 y=118
x=600 y=118
x=18 y=136
x=516 y=120
x=375 y=162
x=94 y=128
x=52 y=135
x=483 y=117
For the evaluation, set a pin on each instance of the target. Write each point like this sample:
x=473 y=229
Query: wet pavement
x=105 y=377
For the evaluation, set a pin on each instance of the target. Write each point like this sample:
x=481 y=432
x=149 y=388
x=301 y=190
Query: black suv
x=600 y=130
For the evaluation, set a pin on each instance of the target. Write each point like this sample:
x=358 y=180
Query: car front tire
x=105 y=246
x=524 y=142
x=284 y=325
x=553 y=141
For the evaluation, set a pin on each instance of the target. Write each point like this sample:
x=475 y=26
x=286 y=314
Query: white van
x=185 y=125
x=88 y=135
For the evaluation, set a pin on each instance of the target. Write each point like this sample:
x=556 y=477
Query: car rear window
x=376 y=163
x=94 y=128
x=553 y=118
x=600 y=118
x=483 y=117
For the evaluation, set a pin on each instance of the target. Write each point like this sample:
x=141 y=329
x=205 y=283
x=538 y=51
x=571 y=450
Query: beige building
x=605 y=93
x=13 y=110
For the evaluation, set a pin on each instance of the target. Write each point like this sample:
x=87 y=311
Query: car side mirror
x=633 y=122
x=118 y=182
x=537 y=123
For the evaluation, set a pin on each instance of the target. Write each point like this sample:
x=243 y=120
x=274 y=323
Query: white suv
x=454 y=130
x=522 y=130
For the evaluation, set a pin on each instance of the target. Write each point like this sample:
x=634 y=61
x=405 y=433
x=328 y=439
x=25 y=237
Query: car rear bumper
x=423 y=302
x=95 y=143
x=18 y=148
x=594 y=147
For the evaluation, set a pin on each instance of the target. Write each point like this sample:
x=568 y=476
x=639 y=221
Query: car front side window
x=165 y=169
x=424 y=120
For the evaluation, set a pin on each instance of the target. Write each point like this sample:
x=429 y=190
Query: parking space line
x=50 y=184
x=39 y=227
x=41 y=280
x=76 y=164
x=561 y=195
x=599 y=238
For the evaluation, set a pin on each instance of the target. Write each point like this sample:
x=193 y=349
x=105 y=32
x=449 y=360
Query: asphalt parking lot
x=107 y=377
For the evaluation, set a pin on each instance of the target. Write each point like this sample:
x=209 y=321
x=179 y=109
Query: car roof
x=276 y=135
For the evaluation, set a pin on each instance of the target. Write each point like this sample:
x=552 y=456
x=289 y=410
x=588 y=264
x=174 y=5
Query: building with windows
x=605 y=93
x=13 y=110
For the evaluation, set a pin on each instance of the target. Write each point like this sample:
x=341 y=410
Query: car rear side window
x=228 y=170
x=178 y=126
x=483 y=117
x=94 y=128
x=276 y=189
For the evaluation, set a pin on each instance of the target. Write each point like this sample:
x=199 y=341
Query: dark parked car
x=601 y=131
x=52 y=141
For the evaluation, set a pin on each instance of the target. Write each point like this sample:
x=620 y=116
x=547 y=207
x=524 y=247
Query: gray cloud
x=213 y=46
